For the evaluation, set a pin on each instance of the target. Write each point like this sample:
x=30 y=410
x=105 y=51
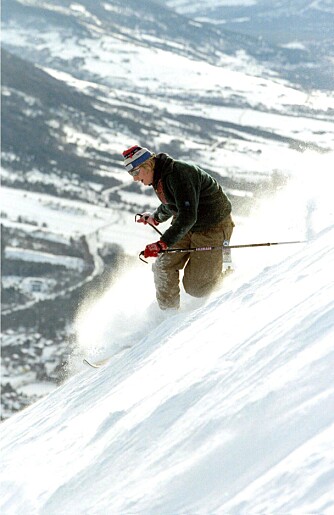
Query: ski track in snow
x=223 y=408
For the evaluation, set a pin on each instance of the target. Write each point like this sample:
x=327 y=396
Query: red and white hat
x=135 y=156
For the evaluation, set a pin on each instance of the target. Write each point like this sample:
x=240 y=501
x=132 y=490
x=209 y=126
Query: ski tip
x=96 y=364
x=90 y=364
x=104 y=361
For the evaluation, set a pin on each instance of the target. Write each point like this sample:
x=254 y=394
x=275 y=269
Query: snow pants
x=202 y=270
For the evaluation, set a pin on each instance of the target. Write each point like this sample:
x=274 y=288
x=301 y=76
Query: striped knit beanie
x=135 y=156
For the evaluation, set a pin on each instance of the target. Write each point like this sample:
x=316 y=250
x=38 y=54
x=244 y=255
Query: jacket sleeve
x=162 y=213
x=185 y=191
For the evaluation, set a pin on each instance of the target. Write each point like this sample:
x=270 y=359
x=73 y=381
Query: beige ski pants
x=202 y=269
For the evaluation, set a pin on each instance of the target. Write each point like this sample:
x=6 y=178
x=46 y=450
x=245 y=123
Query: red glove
x=153 y=249
x=147 y=218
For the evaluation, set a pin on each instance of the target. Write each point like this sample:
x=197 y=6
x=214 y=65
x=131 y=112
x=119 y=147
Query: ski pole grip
x=141 y=258
x=153 y=227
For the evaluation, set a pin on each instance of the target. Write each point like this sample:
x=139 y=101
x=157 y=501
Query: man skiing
x=201 y=217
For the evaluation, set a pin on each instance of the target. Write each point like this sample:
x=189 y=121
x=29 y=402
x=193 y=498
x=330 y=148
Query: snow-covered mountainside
x=82 y=81
x=224 y=408
x=111 y=76
x=303 y=30
x=277 y=6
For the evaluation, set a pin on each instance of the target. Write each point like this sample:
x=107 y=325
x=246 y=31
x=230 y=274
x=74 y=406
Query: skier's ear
x=149 y=164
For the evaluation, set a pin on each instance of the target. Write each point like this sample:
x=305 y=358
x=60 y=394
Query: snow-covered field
x=225 y=407
x=43 y=257
x=71 y=218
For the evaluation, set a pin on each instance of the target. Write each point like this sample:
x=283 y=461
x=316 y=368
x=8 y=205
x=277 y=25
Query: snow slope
x=223 y=408
x=191 y=7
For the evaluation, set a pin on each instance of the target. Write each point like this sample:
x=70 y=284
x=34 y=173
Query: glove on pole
x=154 y=249
x=147 y=221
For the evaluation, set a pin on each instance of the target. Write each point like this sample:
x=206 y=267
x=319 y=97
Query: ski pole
x=220 y=247
x=153 y=227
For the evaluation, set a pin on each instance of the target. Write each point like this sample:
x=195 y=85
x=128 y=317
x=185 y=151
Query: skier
x=201 y=216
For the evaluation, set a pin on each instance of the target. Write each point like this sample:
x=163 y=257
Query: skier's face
x=145 y=175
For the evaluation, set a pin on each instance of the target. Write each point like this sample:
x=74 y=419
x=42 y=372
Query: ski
x=96 y=364
x=104 y=361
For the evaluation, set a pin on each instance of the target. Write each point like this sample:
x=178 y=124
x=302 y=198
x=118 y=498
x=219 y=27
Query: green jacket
x=189 y=194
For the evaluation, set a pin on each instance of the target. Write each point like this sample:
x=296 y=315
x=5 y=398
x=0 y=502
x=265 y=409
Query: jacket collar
x=163 y=165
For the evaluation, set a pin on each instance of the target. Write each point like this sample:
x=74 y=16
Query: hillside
x=226 y=408
x=82 y=81
x=302 y=32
